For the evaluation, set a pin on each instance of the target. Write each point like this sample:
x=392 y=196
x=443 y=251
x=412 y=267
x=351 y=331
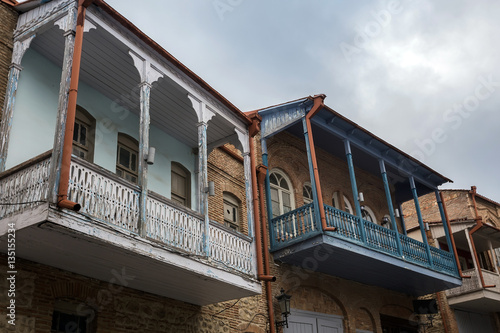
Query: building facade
x=475 y=225
x=107 y=234
x=202 y=232
x=338 y=242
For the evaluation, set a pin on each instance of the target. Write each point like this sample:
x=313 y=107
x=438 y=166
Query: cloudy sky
x=423 y=75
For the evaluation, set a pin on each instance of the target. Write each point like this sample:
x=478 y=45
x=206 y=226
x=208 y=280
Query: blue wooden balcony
x=372 y=257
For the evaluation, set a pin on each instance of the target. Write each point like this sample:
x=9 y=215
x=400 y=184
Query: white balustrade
x=103 y=195
x=174 y=227
x=25 y=188
x=230 y=249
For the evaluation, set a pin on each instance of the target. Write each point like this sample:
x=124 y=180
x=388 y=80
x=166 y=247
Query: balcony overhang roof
x=330 y=128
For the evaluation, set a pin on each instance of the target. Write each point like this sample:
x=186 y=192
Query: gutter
x=479 y=224
x=317 y=106
x=62 y=196
x=262 y=275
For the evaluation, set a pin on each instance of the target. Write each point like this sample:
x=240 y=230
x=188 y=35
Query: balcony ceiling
x=108 y=68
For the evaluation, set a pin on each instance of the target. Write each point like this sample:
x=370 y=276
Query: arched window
x=231 y=211
x=181 y=184
x=368 y=214
x=337 y=204
x=83 y=134
x=307 y=193
x=281 y=193
x=127 y=161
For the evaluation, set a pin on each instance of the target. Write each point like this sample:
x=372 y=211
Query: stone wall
x=8 y=19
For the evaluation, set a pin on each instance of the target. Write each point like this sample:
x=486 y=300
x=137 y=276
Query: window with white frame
x=347 y=204
x=127 y=161
x=180 y=184
x=307 y=193
x=73 y=317
x=231 y=211
x=281 y=193
x=83 y=135
x=367 y=214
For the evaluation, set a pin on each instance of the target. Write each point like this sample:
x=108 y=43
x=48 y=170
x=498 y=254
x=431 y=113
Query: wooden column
x=148 y=75
x=20 y=47
x=389 y=204
x=68 y=25
x=317 y=216
x=420 y=221
x=354 y=186
x=243 y=137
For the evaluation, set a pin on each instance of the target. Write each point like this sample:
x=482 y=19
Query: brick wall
x=8 y=19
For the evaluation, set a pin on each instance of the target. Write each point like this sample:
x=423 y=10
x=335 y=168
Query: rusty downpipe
x=254 y=129
x=479 y=224
x=62 y=196
x=452 y=238
x=259 y=222
x=317 y=106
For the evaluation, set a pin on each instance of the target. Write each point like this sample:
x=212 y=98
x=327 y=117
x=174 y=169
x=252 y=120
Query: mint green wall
x=35 y=114
x=35 y=109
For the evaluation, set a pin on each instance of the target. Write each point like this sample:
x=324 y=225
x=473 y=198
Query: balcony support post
x=420 y=221
x=20 y=47
x=389 y=205
x=148 y=75
x=68 y=25
x=317 y=216
x=354 y=186
x=204 y=115
x=449 y=241
x=269 y=204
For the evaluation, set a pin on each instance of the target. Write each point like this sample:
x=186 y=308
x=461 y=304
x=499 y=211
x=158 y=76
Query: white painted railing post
x=20 y=47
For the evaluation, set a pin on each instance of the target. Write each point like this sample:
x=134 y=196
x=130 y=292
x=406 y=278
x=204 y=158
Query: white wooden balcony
x=471 y=295
x=103 y=238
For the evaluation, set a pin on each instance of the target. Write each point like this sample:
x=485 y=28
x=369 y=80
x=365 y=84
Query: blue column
x=403 y=225
x=389 y=205
x=420 y=221
x=311 y=175
x=445 y=226
x=269 y=203
x=354 y=187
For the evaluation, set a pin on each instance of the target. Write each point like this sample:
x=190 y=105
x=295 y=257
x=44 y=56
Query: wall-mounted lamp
x=361 y=197
x=426 y=308
x=385 y=220
x=284 y=302
x=210 y=189
x=150 y=158
x=396 y=212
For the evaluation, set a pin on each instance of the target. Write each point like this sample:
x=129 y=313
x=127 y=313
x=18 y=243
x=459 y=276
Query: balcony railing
x=108 y=198
x=473 y=283
x=299 y=224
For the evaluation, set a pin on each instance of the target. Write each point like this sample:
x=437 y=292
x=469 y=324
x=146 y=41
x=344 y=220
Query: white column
x=20 y=47
x=243 y=137
x=68 y=25
x=148 y=75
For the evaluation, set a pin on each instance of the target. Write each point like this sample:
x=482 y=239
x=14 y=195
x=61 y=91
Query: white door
x=299 y=324
x=330 y=326
x=312 y=322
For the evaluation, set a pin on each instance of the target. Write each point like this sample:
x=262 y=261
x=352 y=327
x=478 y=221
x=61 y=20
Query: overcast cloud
x=423 y=75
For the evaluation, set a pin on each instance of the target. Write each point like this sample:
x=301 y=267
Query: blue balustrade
x=299 y=224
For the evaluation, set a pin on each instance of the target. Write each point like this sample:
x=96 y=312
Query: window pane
x=274 y=195
x=75 y=132
x=124 y=157
x=133 y=165
x=273 y=179
x=286 y=202
x=284 y=184
x=83 y=135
